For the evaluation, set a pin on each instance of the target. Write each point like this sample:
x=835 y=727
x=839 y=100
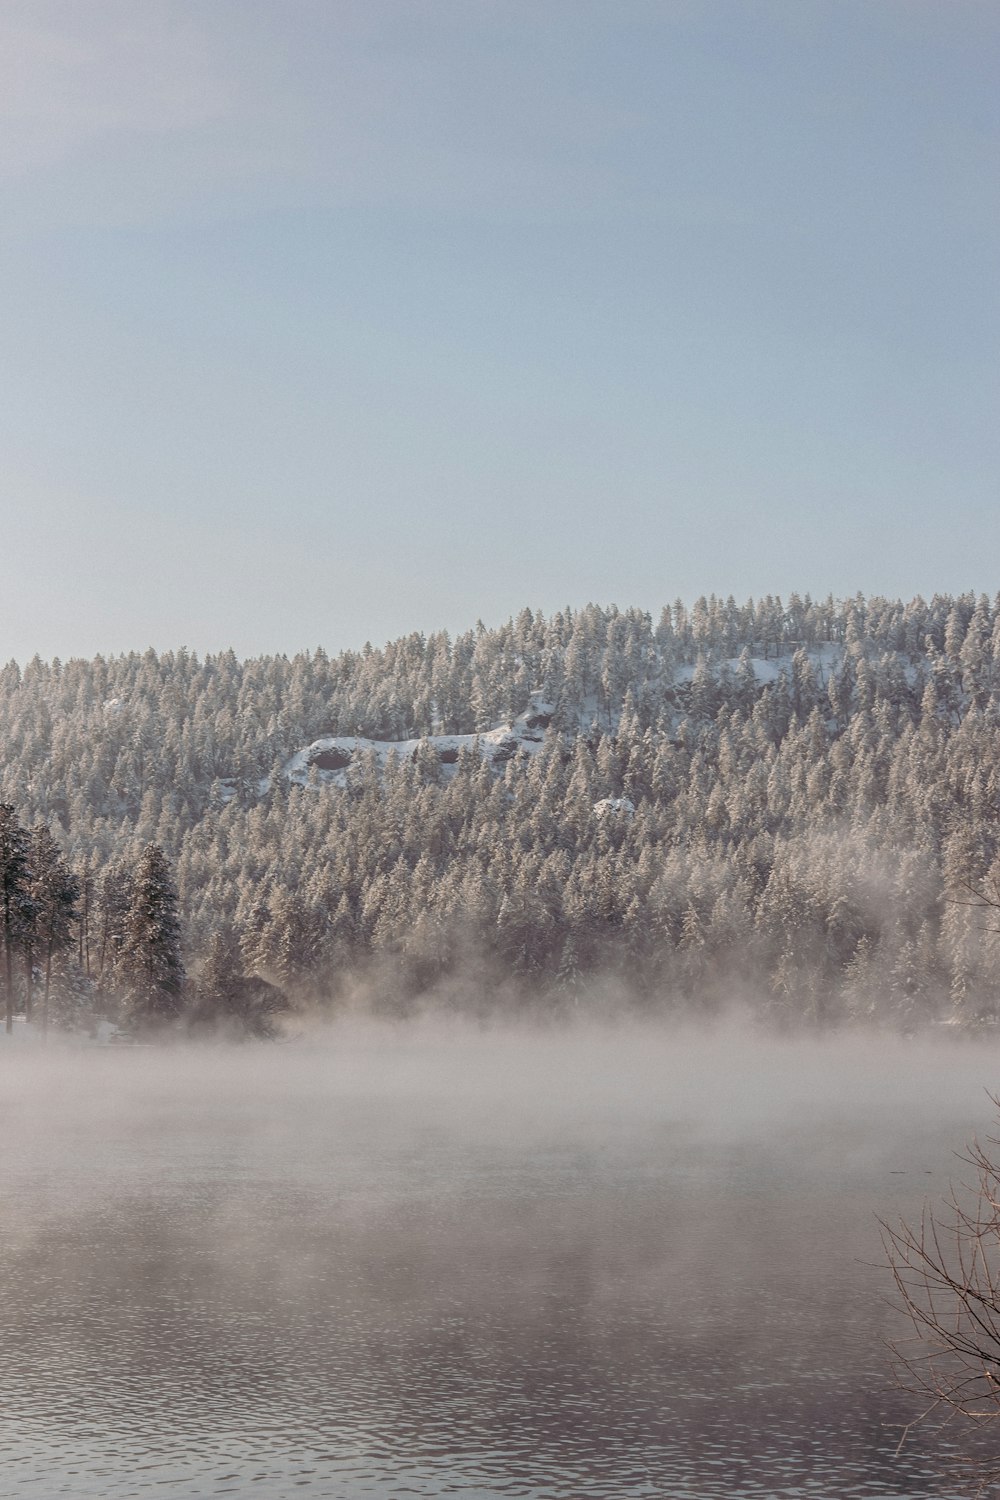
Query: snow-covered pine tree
x=15 y=898
x=54 y=891
x=150 y=968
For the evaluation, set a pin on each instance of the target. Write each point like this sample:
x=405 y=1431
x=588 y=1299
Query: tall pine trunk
x=29 y=966
x=9 y=974
x=45 y=992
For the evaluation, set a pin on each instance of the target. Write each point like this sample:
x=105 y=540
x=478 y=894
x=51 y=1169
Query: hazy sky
x=332 y=319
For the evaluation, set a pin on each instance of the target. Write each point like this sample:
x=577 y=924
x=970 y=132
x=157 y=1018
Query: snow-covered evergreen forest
x=770 y=802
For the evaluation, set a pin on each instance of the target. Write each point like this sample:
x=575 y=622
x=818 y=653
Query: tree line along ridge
x=769 y=801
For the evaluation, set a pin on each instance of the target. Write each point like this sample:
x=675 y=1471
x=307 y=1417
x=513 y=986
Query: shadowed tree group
x=112 y=945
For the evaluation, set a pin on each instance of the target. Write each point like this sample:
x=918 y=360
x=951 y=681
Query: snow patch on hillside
x=331 y=757
x=767 y=669
x=614 y=805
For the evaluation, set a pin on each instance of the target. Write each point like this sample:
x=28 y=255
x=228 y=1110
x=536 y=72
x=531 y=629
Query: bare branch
x=946 y=1273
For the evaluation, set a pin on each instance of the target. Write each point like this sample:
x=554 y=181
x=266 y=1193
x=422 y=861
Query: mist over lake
x=433 y=1259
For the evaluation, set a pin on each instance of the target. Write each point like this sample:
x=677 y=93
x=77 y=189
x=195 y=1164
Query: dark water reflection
x=450 y=1264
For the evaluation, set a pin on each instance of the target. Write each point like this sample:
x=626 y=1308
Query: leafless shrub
x=946 y=1270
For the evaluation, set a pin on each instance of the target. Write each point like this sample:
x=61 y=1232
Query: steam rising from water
x=439 y=1258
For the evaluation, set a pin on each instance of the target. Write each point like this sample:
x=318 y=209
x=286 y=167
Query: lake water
x=432 y=1261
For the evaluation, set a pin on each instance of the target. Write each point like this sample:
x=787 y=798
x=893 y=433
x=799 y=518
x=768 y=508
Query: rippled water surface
x=431 y=1261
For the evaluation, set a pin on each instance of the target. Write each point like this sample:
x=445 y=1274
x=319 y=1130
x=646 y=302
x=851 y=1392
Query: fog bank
x=427 y=1257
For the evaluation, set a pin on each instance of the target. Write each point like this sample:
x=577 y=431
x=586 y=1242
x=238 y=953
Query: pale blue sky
x=326 y=320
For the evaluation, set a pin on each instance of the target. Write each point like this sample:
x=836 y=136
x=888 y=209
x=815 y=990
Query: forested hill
x=769 y=800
